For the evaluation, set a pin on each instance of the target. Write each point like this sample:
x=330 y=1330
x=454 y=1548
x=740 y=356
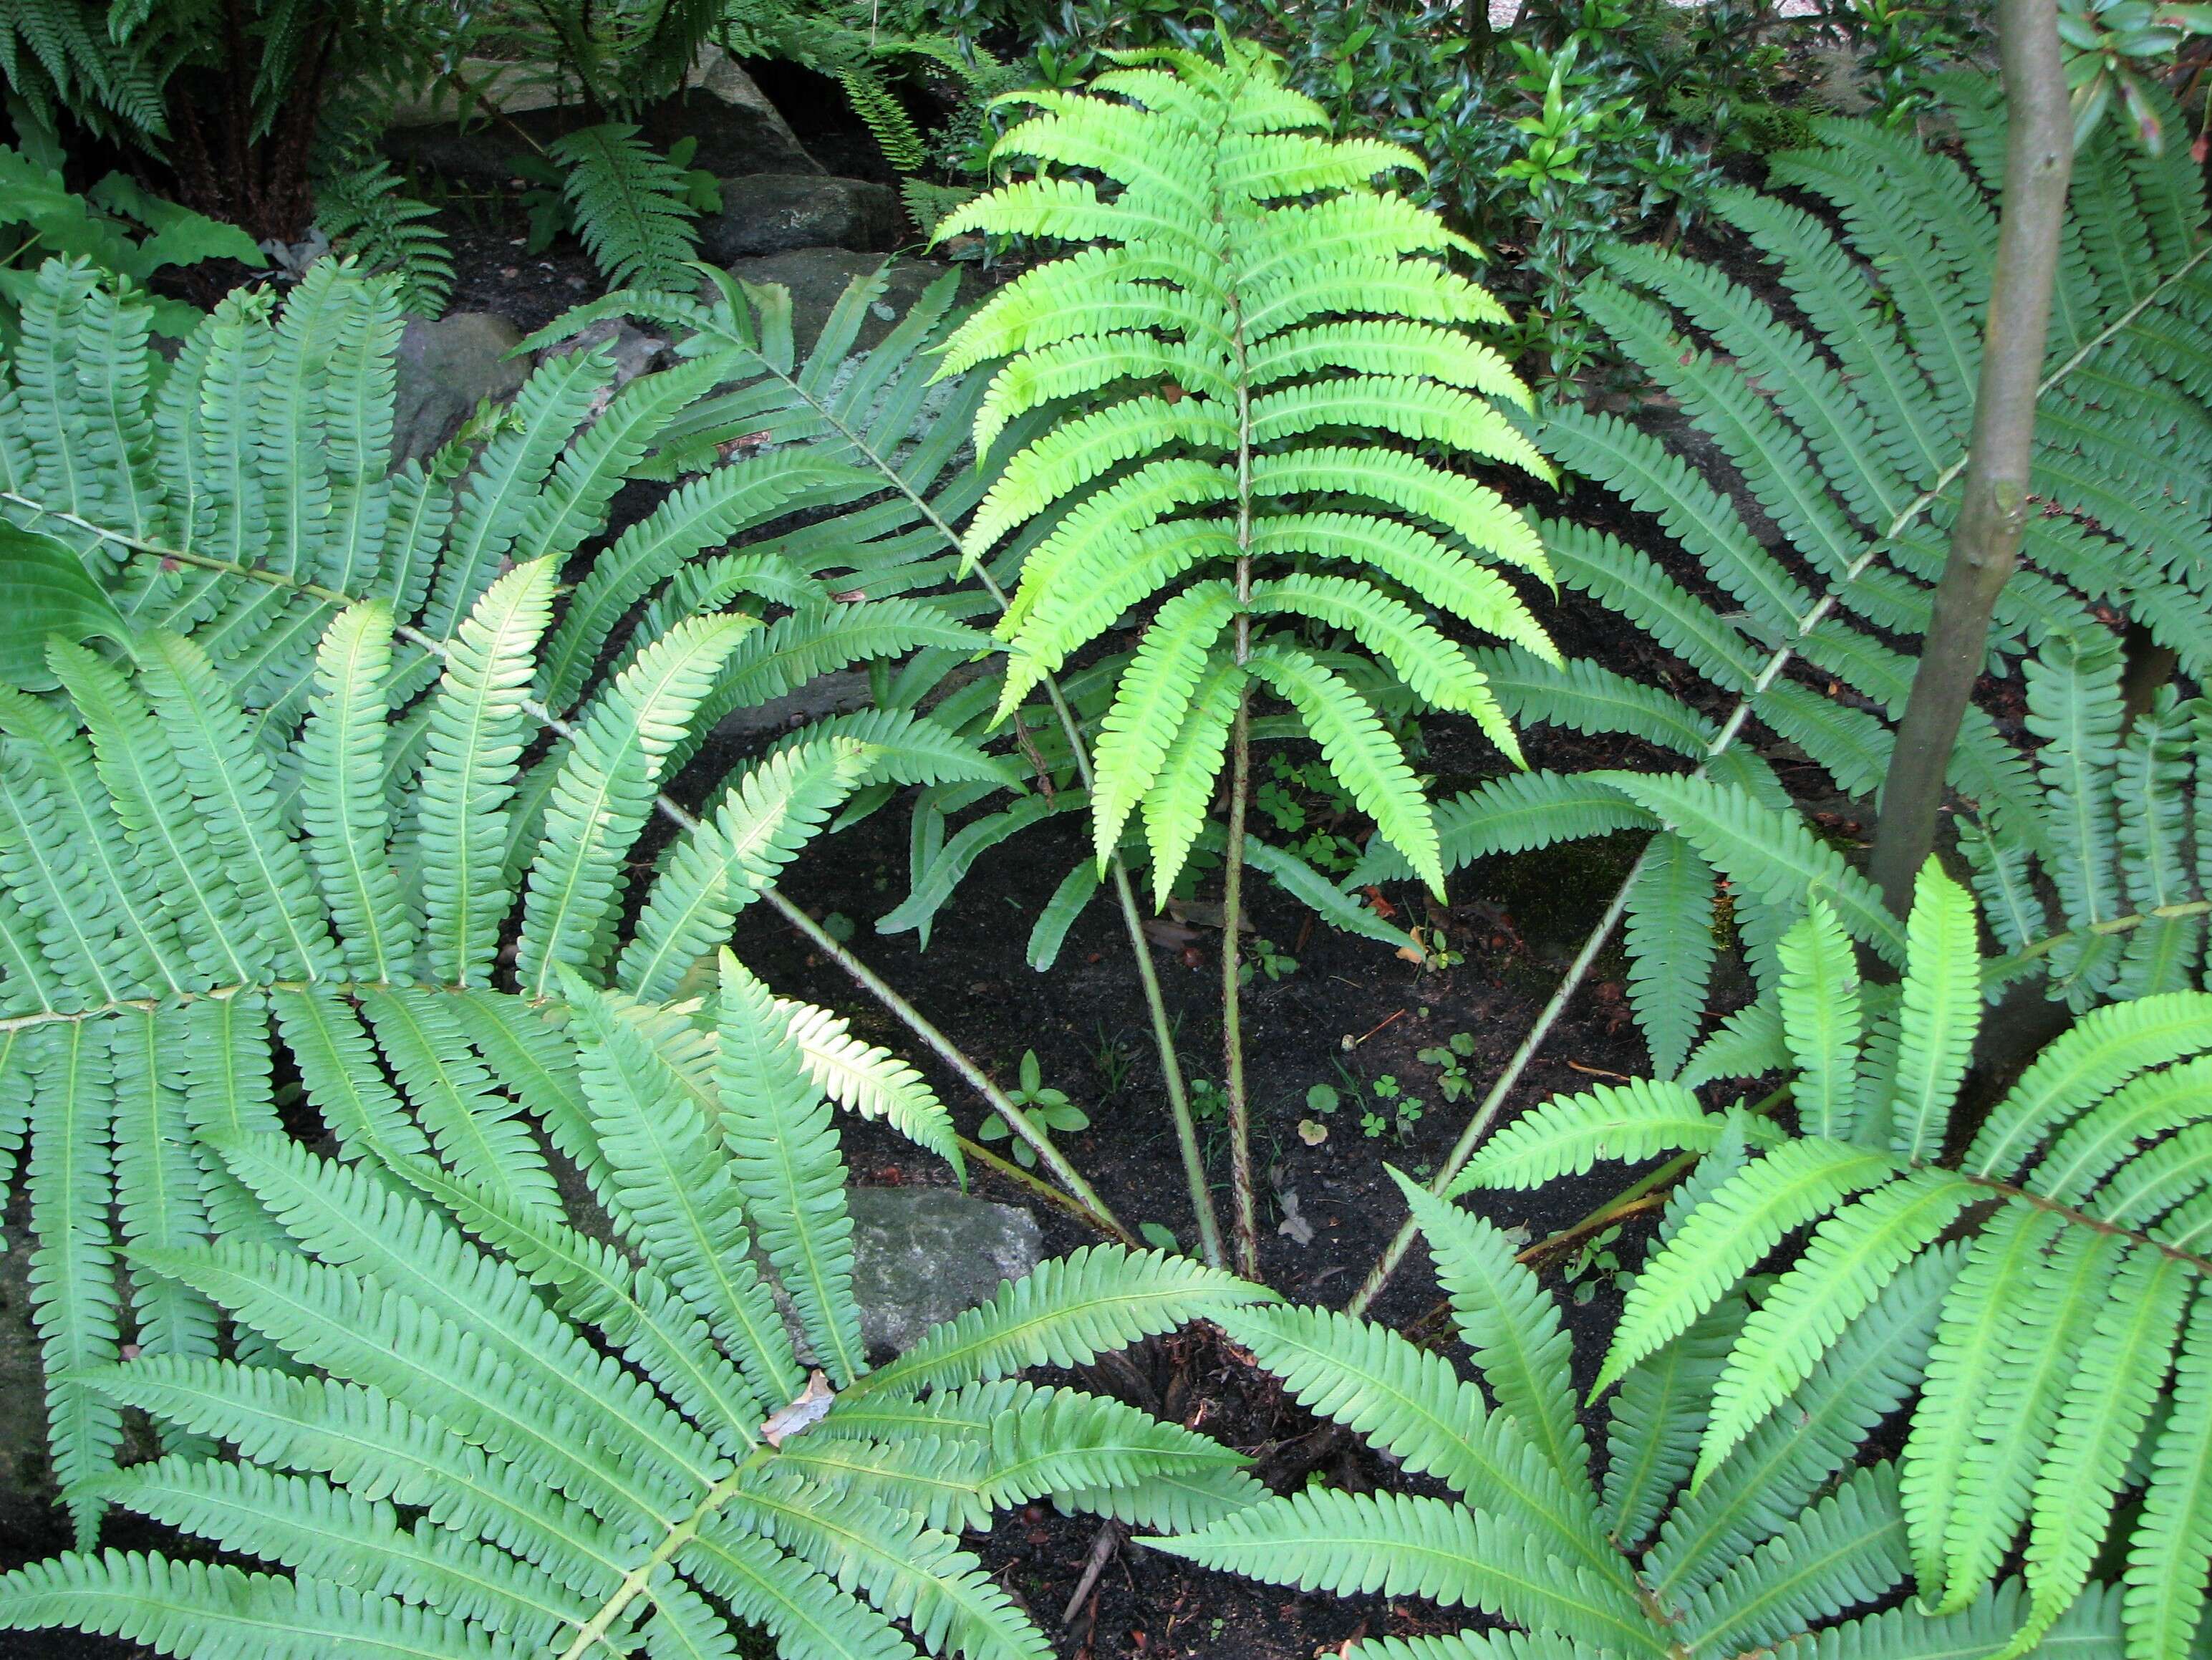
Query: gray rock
x=636 y=353
x=444 y=369
x=921 y=1256
x=770 y=212
x=838 y=692
x=736 y=129
x=507 y=86
x=817 y=276
x=489 y=154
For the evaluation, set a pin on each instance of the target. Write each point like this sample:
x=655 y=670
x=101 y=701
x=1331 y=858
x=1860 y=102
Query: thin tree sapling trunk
x=1993 y=514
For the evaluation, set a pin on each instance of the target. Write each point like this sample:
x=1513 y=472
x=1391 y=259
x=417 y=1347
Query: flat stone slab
x=773 y=212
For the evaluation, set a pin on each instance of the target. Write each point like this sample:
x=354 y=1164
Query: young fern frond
x=2053 y=1334
x=1250 y=302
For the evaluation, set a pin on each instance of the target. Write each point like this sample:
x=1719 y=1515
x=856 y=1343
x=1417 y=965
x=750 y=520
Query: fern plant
x=631 y=206
x=854 y=45
x=1252 y=319
x=163 y=881
x=1599 y=1549
x=2070 y=1328
x=370 y=218
x=1846 y=426
x=251 y=497
x=583 y=1440
x=2114 y=836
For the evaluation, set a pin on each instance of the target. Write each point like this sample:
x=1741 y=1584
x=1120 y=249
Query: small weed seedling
x=1207 y=1102
x=1266 y=958
x=1595 y=1264
x=1111 y=1062
x=1047 y=1109
x=1321 y=1101
x=1282 y=799
x=1160 y=1237
x=1394 y=1112
x=1450 y=1058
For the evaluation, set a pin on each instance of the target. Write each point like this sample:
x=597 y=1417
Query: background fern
x=367 y=215
x=866 y=55
x=2069 y=1328
x=1600 y=1548
x=628 y=204
x=268 y=446
x=1847 y=431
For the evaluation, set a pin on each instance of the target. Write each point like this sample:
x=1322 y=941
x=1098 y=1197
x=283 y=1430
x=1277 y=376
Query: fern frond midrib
x=2078 y=1218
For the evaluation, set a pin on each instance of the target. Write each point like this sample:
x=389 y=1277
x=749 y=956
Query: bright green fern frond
x=341 y=805
x=604 y=791
x=1343 y=1542
x=2116 y=1382
x=763 y=821
x=1360 y=751
x=786 y=1166
x=190 y=1607
x=1848 y=1549
x=1940 y=1010
x=1796 y=1183
x=1568 y=1134
x=669 y=1187
x=2172 y=1549
x=476 y=736
x=1071 y=1309
x=1258 y=350
x=1852 y=1255
x=1510 y=1323
x=1151 y=704
x=2094 y=1055
x=1670 y=947
x=1412 y=1403
x=72 y=1279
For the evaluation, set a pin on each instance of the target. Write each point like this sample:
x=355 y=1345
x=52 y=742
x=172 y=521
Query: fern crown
x=1250 y=316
